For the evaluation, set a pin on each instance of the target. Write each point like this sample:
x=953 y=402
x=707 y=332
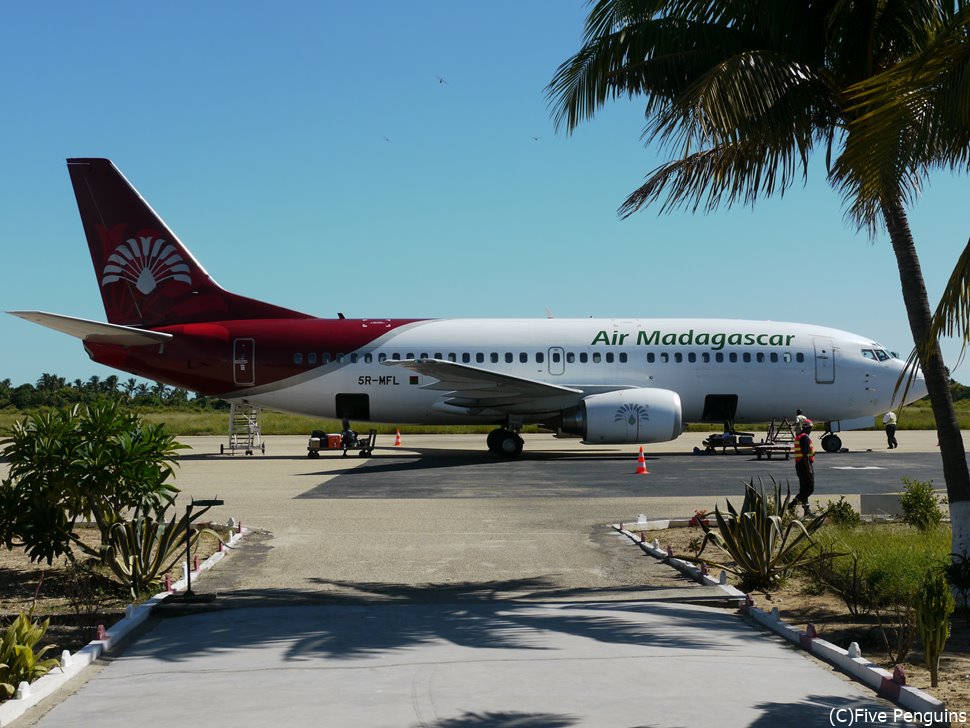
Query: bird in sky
x=441 y=80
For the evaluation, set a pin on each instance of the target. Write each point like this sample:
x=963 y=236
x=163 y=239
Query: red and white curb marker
x=889 y=685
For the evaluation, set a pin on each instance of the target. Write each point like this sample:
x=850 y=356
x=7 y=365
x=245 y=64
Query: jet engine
x=626 y=416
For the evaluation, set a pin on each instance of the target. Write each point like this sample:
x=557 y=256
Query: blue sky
x=308 y=155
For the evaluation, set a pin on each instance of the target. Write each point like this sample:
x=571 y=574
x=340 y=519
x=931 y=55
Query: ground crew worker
x=804 y=466
x=889 y=420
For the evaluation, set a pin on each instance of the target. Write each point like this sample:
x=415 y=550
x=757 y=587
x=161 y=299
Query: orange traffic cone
x=397 y=439
x=641 y=464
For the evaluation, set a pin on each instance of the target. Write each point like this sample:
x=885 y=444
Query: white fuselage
x=771 y=368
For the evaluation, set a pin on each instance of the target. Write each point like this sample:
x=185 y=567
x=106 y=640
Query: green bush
x=18 y=660
x=878 y=570
x=934 y=605
x=841 y=513
x=98 y=463
x=921 y=505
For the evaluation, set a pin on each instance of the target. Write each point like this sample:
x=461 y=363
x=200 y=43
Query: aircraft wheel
x=511 y=445
x=831 y=443
x=494 y=440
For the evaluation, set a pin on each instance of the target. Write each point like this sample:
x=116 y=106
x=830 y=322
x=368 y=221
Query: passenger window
x=570 y=357
x=311 y=358
x=609 y=357
x=452 y=357
x=664 y=357
x=678 y=357
x=382 y=357
x=651 y=357
x=396 y=357
x=326 y=357
x=540 y=357
x=622 y=357
x=691 y=357
x=353 y=358
x=424 y=355
x=706 y=357
x=761 y=357
x=596 y=357
x=583 y=357
x=733 y=356
x=298 y=358
x=466 y=358
x=523 y=358
x=493 y=357
x=480 y=357
x=367 y=358
x=340 y=358
x=556 y=357
x=437 y=355
x=799 y=357
x=773 y=357
x=746 y=357
x=719 y=357
x=508 y=357
x=787 y=357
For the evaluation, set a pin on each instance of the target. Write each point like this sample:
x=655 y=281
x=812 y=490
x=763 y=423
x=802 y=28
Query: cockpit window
x=869 y=354
x=882 y=355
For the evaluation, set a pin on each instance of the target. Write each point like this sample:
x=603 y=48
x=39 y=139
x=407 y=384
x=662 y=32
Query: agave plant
x=763 y=540
x=139 y=552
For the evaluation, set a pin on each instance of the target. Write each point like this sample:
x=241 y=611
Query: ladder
x=244 y=432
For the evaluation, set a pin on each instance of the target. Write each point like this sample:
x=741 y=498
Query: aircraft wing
x=94 y=331
x=476 y=388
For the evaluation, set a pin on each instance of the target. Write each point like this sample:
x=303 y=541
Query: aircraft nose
x=917 y=388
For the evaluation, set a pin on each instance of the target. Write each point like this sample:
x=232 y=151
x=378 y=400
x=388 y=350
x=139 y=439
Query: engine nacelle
x=626 y=416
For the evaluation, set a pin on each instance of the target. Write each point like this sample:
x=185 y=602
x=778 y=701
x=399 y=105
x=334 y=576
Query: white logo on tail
x=145 y=262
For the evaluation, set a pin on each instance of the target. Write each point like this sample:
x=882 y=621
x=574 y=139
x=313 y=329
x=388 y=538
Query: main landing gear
x=831 y=442
x=505 y=443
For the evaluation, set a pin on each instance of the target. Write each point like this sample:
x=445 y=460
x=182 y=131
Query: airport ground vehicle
x=320 y=440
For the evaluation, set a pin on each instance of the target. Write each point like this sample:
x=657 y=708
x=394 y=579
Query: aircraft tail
x=147 y=277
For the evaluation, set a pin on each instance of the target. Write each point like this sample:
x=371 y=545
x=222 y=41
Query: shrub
x=95 y=463
x=878 y=571
x=934 y=605
x=18 y=660
x=841 y=513
x=921 y=505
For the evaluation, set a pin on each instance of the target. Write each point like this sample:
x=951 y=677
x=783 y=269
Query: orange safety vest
x=798 y=448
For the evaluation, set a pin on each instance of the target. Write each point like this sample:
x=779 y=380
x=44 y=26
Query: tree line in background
x=52 y=390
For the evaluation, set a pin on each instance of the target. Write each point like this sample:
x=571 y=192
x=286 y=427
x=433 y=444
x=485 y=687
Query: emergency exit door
x=824 y=360
x=243 y=367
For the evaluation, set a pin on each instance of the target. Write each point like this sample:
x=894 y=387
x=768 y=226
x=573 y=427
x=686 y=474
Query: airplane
x=609 y=381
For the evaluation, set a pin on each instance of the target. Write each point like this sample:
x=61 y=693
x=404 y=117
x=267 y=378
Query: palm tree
x=744 y=91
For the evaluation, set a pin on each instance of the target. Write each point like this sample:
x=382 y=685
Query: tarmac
x=411 y=639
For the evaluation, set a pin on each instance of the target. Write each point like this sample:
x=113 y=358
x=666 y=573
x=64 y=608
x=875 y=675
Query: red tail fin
x=147 y=277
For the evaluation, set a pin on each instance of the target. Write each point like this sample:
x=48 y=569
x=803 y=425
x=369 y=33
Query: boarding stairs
x=244 y=430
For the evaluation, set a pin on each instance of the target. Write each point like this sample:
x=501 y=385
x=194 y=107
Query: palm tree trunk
x=955 y=470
